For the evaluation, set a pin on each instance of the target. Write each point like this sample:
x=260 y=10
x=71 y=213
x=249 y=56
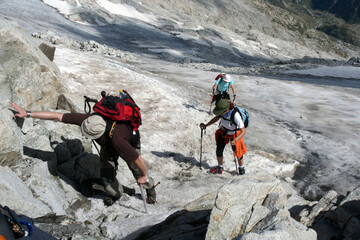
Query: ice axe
x=202 y=130
x=143 y=197
x=212 y=100
x=149 y=183
x=201 y=140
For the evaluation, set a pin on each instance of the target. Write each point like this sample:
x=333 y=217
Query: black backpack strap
x=231 y=121
x=232 y=118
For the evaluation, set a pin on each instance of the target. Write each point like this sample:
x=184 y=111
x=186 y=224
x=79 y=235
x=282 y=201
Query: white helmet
x=227 y=78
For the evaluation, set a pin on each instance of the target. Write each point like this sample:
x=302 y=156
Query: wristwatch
x=28 y=113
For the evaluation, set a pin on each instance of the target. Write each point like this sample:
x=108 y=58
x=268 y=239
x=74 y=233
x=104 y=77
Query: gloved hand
x=202 y=126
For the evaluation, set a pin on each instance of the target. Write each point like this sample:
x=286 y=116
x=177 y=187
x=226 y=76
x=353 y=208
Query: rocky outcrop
x=250 y=207
x=10 y=142
x=15 y=193
x=28 y=171
x=48 y=50
x=28 y=78
x=334 y=216
x=88 y=46
x=254 y=207
x=32 y=79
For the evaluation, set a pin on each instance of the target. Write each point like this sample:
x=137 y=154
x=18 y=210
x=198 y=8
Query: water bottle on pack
x=122 y=94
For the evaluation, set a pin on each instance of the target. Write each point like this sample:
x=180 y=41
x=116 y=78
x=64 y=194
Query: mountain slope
x=291 y=21
x=237 y=32
x=337 y=19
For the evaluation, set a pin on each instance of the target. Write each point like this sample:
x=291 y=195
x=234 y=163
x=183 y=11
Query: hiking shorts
x=222 y=139
x=221 y=95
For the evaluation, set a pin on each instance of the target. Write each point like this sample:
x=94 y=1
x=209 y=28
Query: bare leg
x=241 y=161
x=220 y=160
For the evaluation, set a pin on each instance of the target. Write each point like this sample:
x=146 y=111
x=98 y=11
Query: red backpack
x=221 y=75
x=120 y=109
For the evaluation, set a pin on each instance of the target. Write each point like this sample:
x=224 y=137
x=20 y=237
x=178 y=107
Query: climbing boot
x=241 y=170
x=217 y=170
x=110 y=201
x=151 y=195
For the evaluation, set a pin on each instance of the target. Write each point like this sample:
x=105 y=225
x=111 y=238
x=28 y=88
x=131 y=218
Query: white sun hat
x=227 y=78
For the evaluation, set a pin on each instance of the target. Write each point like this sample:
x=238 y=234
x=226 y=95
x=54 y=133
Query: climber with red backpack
x=114 y=126
x=233 y=121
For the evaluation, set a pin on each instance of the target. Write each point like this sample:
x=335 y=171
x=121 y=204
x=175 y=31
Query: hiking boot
x=151 y=195
x=217 y=170
x=241 y=170
x=110 y=201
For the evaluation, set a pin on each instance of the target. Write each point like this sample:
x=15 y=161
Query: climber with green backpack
x=233 y=123
x=114 y=126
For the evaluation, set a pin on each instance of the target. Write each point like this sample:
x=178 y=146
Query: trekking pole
x=235 y=160
x=143 y=197
x=212 y=99
x=201 y=146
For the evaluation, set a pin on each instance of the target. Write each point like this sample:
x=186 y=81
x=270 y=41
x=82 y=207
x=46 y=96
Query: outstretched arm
x=45 y=115
x=212 y=121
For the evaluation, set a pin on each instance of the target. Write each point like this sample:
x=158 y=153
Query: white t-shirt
x=227 y=124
